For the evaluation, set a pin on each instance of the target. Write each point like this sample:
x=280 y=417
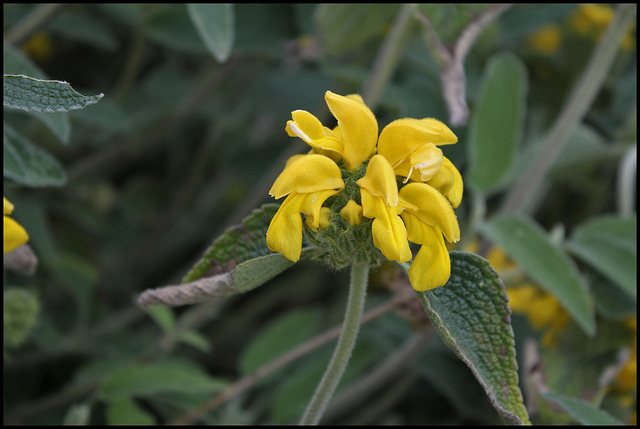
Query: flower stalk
x=346 y=343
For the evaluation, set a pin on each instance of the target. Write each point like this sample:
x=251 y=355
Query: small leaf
x=496 y=124
x=546 y=264
x=471 y=315
x=582 y=411
x=608 y=244
x=26 y=163
x=344 y=27
x=30 y=94
x=163 y=316
x=215 y=25
x=158 y=377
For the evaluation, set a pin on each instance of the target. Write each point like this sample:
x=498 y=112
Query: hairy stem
x=342 y=353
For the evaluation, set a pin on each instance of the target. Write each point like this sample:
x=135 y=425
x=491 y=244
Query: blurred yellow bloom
x=14 y=234
x=418 y=207
x=592 y=20
x=542 y=309
x=546 y=40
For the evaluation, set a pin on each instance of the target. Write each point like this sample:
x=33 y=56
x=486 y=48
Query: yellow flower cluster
x=14 y=234
x=542 y=309
x=592 y=20
x=417 y=207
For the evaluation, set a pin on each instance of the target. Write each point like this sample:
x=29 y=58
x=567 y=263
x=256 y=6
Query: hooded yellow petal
x=312 y=206
x=403 y=137
x=422 y=164
x=358 y=126
x=305 y=174
x=445 y=136
x=285 y=230
x=433 y=208
x=307 y=127
x=431 y=267
x=380 y=180
x=14 y=234
x=448 y=182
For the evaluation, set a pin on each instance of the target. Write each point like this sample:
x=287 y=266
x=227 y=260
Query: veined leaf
x=547 y=265
x=215 y=25
x=471 y=315
x=31 y=94
x=496 y=124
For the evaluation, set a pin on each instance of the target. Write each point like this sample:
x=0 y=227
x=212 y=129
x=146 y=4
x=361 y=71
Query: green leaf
x=124 y=411
x=237 y=262
x=608 y=244
x=158 y=377
x=547 y=265
x=471 y=315
x=496 y=124
x=215 y=25
x=26 y=163
x=582 y=411
x=31 y=94
x=163 y=316
x=344 y=27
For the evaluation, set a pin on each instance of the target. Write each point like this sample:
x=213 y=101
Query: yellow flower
x=353 y=140
x=547 y=39
x=308 y=180
x=592 y=20
x=418 y=208
x=14 y=234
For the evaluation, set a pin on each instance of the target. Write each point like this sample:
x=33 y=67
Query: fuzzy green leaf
x=215 y=25
x=31 y=94
x=583 y=412
x=471 y=315
x=608 y=244
x=496 y=124
x=547 y=265
x=26 y=163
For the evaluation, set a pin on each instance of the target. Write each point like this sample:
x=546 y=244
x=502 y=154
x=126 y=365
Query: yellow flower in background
x=546 y=40
x=592 y=20
x=542 y=309
x=416 y=207
x=14 y=234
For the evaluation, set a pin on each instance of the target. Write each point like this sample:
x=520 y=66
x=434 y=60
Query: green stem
x=388 y=56
x=342 y=353
x=574 y=110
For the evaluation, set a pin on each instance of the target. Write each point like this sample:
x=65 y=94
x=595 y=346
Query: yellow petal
x=307 y=173
x=389 y=233
x=285 y=230
x=422 y=164
x=311 y=131
x=434 y=208
x=448 y=182
x=8 y=207
x=403 y=137
x=380 y=180
x=322 y=222
x=352 y=213
x=431 y=267
x=312 y=206
x=358 y=127
x=14 y=234
x=445 y=136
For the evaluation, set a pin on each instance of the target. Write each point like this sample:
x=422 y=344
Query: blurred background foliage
x=185 y=144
